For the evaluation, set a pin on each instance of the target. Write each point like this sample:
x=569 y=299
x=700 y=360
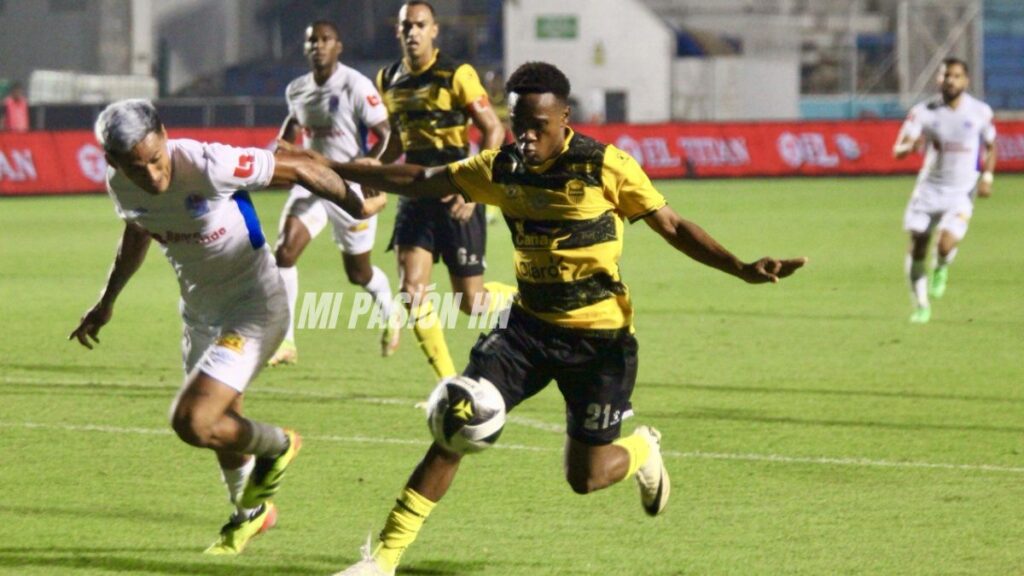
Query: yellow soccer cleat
x=234 y=536
x=652 y=477
x=286 y=355
x=265 y=479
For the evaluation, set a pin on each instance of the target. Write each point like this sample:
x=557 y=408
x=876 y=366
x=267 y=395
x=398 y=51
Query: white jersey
x=953 y=138
x=330 y=115
x=206 y=224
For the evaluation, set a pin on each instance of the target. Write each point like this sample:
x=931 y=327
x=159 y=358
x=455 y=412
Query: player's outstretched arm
x=131 y=252
x=410 y=180
x=304 y=169
x=692 y=240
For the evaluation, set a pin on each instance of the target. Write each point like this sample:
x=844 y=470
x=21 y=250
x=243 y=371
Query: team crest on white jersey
x=196 y=205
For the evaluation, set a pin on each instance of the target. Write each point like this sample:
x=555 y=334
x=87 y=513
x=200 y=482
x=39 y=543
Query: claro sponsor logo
x=16 y=165
x=92 y=163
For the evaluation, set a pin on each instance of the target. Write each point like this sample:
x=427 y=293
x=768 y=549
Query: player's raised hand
x=90 y=324
x=769 y=269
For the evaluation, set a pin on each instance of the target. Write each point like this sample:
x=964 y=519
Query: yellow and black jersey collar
x=547 y=164
x=414 y=71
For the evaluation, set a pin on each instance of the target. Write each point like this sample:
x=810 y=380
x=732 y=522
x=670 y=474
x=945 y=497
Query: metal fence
x=232 y=112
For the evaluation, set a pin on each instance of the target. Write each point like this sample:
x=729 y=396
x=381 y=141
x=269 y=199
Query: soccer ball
x=465 y=415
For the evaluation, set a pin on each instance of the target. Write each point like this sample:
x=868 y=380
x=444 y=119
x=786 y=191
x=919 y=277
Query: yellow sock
x=638 y=448
x=402 y=527
x=500 y=295
x=427 y=328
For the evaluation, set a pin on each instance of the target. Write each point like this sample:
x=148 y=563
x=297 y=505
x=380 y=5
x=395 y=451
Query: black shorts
x=426 y=223
x=595 y=371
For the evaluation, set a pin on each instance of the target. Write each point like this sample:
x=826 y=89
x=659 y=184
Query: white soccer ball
x=465 y=415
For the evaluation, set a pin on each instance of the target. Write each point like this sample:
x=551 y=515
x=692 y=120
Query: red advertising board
x=780 y=149
x=71 y=162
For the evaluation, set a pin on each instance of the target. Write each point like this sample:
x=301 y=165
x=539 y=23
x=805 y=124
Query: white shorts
x=234 y=351
x=922 y=216
x=353 y=236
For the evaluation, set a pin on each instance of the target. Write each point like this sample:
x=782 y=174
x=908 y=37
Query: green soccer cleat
x=921 y=315
x=265 y=479
x=235 y=535
x=367 y=566
x=652 y=477
x=286 y=355
x=937 y=285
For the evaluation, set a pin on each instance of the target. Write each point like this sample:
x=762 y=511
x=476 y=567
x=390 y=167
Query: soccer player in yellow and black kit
x=430 y=99
x=565 y=197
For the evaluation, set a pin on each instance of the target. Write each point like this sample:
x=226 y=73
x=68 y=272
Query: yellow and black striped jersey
x=565 y=217
x=429 y=108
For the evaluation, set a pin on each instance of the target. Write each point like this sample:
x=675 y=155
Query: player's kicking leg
x=355 y=239
x=208 y=414
x=245 y=523
x=952 y=229
x=428 y=483
x=415 y=265
x=203 y=417
x=920 y=225
x=302 y=220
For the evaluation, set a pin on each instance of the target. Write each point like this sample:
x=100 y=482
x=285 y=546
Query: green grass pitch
x=809 y=428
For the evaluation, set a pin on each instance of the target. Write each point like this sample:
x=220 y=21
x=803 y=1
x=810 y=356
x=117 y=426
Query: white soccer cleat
x=652 y=477
x=367 y=566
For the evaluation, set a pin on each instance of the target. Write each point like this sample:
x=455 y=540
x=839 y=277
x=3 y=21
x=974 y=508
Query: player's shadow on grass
x=177 y=517
x=745 y=416
x=87 y=389
x=66 y=368
x=65 y=560
x=834 y=392
x=442 y=568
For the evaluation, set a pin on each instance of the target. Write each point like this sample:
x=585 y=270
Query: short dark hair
x=954 y=61
x=539 y=78
x=328 y=24
x=429 y=6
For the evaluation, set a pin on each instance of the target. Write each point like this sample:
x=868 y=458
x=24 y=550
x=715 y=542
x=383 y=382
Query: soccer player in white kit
x=957 y=132
x=327 y=106
x=191 y=197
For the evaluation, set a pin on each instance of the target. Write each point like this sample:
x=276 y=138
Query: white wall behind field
x=736 y=88
x=619 y=46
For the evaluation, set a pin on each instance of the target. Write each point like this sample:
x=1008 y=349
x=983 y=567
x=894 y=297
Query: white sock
x=267 y=440
x=940 y=261
x=918 y=281
x=235 y=481
x=290 y=276
x=380 y=288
